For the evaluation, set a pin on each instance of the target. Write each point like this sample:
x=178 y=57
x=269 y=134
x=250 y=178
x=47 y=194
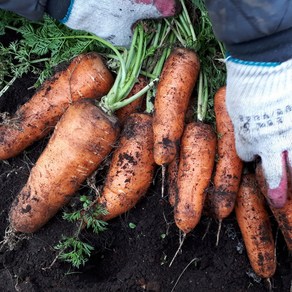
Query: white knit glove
x=259 y=102
x=112 y=20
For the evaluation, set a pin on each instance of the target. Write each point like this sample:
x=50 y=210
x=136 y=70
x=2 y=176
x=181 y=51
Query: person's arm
x=31 y=9
x=258 y=37
x=109 y=19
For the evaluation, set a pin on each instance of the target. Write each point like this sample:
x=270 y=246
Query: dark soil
x=125 y=258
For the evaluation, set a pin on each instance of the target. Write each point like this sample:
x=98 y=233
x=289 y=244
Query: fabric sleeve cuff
x=58 y=9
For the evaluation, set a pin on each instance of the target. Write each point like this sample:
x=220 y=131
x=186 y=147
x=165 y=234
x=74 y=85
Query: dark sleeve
x=34 y=9
x=258 y=30
x=31 y=9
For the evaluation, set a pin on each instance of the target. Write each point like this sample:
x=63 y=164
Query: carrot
x=85 y=77
x=282 y=215
x=174 y=90
x=136 y=105
x=82 y=139
x=254 y=223
x=198 y=147
x=229 y=166
x=131 y=169
x=172 y=168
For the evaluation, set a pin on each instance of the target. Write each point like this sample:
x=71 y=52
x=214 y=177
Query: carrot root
x=197 y=156
x=255 y=226
x=178 y=78
x=131 y=169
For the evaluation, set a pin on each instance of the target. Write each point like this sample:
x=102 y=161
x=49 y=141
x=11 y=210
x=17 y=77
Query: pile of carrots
x=203 y=170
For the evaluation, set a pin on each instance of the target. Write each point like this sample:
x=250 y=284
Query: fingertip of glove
x=167 y=7
x=277 y=197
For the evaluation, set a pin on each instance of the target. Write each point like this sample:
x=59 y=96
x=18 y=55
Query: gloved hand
x=113 y=19
x=259 y=102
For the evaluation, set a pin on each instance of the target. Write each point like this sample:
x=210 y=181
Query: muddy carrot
x=229 y=166
x=174 y=90
x=131 y=168
x=198 y=147
x=82 y=139
x=254 y=223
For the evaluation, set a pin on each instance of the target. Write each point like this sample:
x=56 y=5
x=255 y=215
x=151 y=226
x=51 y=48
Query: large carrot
x=85 y=77
x=131 y=168
x=198 y=147
x=229 y=166
x=254 y=223
x=174 y=90
x=81 y=140
x=282 y=215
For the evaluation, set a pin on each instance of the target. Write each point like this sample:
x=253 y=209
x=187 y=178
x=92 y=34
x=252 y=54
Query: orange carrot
x=131 y=169
x=172 y=168
x=136 y=105
x=82 y=139
x=229 y=166
x=174 y=90
x=282 y=215
x=85 y=77
x=198 y=147
x=254 y=223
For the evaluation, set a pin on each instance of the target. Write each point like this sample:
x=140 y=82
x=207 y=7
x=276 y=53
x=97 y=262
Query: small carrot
x=198 y=147
x=81 y=140
x=178 y=78
x=229 y=166
x=131 y=168
x=282 y=215
x=255 y=226
x=85 y=77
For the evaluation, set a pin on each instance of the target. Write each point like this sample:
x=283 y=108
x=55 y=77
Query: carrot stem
x=202 y=97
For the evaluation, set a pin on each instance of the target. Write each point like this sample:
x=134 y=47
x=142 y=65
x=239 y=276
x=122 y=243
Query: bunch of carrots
x=93 y=112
